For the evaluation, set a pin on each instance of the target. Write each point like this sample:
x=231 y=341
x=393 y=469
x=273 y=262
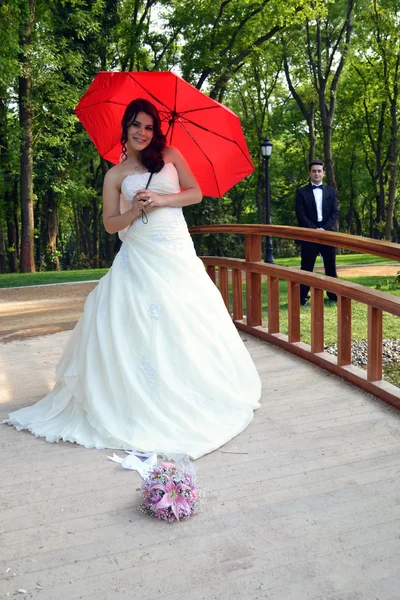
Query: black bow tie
x=316 y=186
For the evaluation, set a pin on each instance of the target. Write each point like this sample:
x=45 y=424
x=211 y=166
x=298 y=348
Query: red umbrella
x=207 y=133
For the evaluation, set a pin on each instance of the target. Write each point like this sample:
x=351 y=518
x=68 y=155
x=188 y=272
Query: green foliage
x=233 y=50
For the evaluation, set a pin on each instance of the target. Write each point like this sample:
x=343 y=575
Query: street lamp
x=266 y=149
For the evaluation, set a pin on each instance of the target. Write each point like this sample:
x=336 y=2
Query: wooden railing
x=376 y=301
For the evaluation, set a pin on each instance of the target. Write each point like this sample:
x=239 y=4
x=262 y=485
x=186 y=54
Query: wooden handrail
x=354 y=291
x=376 y=301
x=330 y=238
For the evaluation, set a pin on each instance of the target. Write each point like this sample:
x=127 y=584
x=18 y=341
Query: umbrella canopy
x=208 y=134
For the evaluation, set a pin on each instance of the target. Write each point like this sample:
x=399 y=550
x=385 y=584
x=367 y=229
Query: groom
x=317 y=208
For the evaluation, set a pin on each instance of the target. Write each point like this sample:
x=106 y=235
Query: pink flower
x=173 y=497
x=167 y=465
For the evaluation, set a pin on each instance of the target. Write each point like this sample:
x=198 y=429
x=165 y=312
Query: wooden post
x=223 y=285
x=237 y=294
x=253 y=281
x=374 y=368
x=294 y=311
x=344 y=331
x=317 y=320
x=273 y=304
x=211 y=272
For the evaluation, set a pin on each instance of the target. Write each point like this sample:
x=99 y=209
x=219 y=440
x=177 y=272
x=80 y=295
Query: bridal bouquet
x=169 y=489
x=169 y=492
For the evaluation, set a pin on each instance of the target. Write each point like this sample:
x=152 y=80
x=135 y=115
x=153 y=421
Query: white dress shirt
x=318 y=202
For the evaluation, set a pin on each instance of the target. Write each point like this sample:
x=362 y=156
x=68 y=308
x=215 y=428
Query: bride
x=155 y=362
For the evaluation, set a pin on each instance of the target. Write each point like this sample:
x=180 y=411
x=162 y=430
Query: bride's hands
x=147 y=199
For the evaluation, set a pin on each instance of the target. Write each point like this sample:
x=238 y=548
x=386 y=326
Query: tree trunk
x=109 y=247
x=52 y=259
x=393 y=163
x=311 y=132
x=350 y=213
x=85 y=231
x=96 y=243
x=26 y=162
x=77 y=250
x=327 y=135
x=6 y=168
x=15 y=208
x=12 y=234
x=95 y=209
x=2 y=252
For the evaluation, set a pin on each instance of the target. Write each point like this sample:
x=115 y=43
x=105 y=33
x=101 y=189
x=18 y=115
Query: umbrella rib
x=172 y=125
x=191 y=110
x=202 y=151
x=149 y=93
x=223 y=137
x=77 y=109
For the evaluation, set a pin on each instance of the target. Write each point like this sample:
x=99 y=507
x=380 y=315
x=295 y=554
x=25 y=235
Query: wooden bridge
x=303 y=505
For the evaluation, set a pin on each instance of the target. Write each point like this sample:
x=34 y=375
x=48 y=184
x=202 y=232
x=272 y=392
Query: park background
x=319 y=78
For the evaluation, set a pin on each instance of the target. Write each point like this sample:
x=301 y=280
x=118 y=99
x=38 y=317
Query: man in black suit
x=317 y=208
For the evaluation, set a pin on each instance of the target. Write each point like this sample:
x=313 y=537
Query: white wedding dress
x=155 y=362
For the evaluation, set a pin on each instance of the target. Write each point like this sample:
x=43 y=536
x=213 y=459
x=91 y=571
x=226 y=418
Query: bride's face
x=140 y=132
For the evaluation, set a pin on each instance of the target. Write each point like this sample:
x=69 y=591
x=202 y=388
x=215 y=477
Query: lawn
x=47 y=277
x=391 y=323
x=341 y=260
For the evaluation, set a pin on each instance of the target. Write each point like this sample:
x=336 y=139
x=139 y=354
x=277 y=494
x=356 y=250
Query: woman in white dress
x=155 y=362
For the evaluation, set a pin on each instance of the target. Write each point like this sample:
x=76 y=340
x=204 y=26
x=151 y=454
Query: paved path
x=303 y=505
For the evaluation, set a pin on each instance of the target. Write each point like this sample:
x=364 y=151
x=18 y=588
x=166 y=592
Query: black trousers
x=309 y=253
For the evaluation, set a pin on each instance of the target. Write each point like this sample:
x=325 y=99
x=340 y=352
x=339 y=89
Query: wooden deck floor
x=305 y=504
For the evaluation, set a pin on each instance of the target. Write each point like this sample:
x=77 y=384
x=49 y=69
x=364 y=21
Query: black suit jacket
x=306 y=210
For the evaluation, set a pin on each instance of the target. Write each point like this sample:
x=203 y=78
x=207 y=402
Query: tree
x=326 y=44
x=26 y=126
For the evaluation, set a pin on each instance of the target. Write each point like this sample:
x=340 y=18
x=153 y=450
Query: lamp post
x=266 y=149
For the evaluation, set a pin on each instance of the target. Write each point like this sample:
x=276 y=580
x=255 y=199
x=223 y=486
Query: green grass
x=45 y=277
x=391 y=323
x=341 y=260
x=359 y=326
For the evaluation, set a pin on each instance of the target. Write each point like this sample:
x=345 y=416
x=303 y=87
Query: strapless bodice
x=164 y=182
x=161 y=221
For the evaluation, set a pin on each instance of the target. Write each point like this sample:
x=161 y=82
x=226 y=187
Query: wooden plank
x=273 y=305
x=294 y=311
x=381 y=389
x=374 y=368
x=223 y=285
x=68 y=513
x=344 y=331
x=211 y=272
x=253 y=281
x=237 y=294
x=317 y=320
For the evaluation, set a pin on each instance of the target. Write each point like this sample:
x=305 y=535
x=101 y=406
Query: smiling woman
x=144 y=151
x=155 y=362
